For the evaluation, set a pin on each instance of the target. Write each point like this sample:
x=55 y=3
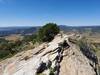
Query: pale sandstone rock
x=73 y=63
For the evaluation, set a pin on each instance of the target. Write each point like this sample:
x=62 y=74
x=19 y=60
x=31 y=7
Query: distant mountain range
x=4 y=31
x=80 y=29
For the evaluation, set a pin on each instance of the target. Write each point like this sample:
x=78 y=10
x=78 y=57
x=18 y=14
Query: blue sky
x=40 y=12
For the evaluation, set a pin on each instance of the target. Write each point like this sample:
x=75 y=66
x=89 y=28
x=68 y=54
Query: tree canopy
x=48 y=31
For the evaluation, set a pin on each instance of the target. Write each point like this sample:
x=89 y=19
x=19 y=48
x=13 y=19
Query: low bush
x=47 y=32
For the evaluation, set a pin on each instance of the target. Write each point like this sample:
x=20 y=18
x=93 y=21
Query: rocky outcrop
x=59 y=57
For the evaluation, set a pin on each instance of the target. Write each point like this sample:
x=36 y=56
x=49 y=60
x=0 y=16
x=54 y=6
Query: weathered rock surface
x=70 y=61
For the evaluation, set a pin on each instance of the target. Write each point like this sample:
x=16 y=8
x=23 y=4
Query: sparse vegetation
x=30 y=38
x=51 y=71
x=87 y=50
x=45 y=34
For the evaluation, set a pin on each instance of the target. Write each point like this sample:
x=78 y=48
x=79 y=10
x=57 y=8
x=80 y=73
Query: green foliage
x=12 y=47
x=4 y=53
x=29 y=38
x=4 y=48
x=47 y=32
x=51 y=71
x=3 y=40
x=9 y=48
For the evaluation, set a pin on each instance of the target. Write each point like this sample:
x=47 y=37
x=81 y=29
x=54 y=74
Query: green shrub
x=4 y=53
x=29 y=38
x=51 y=71
x=47 y=32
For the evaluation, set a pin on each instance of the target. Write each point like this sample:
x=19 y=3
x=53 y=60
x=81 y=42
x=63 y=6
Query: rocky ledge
x=59 y=57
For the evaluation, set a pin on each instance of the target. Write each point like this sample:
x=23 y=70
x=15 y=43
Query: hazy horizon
x=41 y=25
x=37 y=13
